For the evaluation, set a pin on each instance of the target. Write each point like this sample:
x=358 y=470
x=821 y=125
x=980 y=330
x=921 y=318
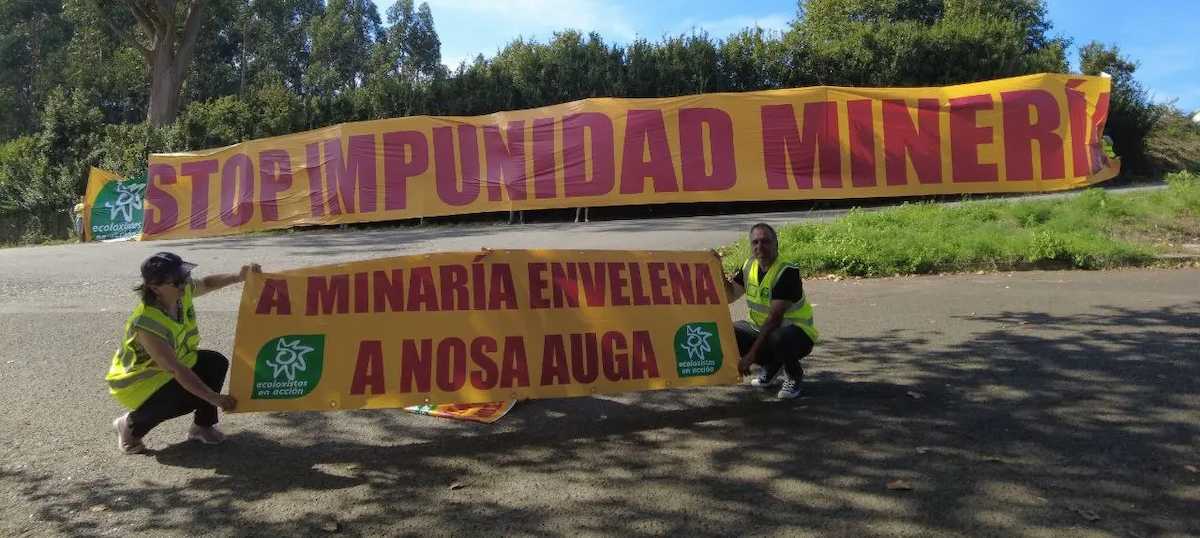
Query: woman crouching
x=159 y=372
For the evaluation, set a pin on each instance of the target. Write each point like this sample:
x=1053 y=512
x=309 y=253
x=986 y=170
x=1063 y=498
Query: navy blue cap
x=165 y=267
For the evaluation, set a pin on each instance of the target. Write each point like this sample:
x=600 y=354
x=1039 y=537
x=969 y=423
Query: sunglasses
x=177 y=282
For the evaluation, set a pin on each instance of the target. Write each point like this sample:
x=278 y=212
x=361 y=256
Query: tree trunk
x=164 y=89
x=170 y=55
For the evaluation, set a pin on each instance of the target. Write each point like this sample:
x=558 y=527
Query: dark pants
x=172 y=400
x=784 y=348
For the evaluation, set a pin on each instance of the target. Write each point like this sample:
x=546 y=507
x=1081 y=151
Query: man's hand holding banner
x=481 y=327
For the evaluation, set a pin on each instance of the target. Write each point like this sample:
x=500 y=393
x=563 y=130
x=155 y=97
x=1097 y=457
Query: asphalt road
x=1039 y=403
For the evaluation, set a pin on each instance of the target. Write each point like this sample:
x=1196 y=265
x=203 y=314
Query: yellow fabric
x=1034 y=133
x=758 y=298
x=467 y=327
x=133 y=376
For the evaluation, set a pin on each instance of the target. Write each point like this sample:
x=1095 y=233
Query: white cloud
x=722 y=28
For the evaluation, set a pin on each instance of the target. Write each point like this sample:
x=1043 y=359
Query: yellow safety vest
x=758 y=298
x=133 y=376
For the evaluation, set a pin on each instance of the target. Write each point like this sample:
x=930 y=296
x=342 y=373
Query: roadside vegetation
x=1097 y=229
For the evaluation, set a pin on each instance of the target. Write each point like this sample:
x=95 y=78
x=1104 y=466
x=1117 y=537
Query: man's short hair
x=766 y=227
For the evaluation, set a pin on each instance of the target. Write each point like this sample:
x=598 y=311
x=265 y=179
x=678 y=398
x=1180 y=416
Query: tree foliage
x=79 y=79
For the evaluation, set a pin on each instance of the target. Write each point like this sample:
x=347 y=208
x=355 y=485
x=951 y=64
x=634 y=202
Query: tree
x=166 y=48
x=410 y=46
x=33 y=35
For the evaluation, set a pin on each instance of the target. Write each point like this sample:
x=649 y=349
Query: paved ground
x=1042 y=403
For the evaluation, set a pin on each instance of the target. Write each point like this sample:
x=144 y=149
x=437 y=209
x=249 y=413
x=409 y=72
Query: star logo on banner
x=129 y=197
x=289 y=358
x=697 y=345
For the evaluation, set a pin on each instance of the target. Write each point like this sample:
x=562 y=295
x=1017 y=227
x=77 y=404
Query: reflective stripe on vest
x=758 y=298
x=132 y=380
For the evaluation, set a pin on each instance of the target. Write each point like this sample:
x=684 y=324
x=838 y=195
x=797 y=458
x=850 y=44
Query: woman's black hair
x=148 y=295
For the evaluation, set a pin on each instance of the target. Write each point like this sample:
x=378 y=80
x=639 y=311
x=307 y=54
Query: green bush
x=215 y=123
x=1085 y=232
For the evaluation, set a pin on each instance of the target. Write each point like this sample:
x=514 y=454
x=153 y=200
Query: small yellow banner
x=481 y=327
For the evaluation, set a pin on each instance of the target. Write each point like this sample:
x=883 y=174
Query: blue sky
x=1160 y=34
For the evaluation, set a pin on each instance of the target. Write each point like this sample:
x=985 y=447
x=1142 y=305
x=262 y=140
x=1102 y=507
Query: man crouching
x=780 y=330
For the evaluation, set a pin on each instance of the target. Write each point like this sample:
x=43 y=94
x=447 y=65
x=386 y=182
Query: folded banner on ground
x=481 y=327
x=1026 y=134
x=112 y=206
x=486 y=413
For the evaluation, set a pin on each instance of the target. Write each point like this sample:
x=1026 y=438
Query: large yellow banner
x=1026 y=134
x=481 y=327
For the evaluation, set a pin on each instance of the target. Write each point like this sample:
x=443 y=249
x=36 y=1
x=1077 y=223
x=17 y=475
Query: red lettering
x=537 y=285
x=345 y=175
x=706 y=287
x=1099 y=116
x=554 y=362
x=405 y=155
x=585 y=364
x=162 y=210
x=505 y=162
x=478 y=291
x=681 y=283
x=451 y=364
x=515 y=370
x=361 y=297
x=635 y=281
x=617 y=283
x=486 y=374
x=1020 y=131
x=1077 y=112
x=645 y=364
x=566 y=285
x=657 y=283
x=328 y=295
x=449 y=188
x=275 y=176
x=593 y=282
x=389 y=293
x=612 y=357
x=575 y=180
x=783 y=142
x=454 y=287
x=237 y=182
x=693 y=162
x=545 y=167
x=415 y=365
x=199 y=172
x=862 y=143
x=903 y=141
x=274 y=298
x=646 y=128
x=368 y=370
x=966 y=135
x=503 y=293
x=422 y=295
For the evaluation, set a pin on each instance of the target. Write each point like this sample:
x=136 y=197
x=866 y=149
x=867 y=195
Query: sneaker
x=126 y=442
x=209 y=436
x=766 y=379
x=790 y=390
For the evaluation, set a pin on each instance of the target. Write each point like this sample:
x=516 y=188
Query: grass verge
x=1095 y=230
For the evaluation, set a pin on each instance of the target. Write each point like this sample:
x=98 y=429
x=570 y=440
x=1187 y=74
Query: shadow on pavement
x=1037 y=424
